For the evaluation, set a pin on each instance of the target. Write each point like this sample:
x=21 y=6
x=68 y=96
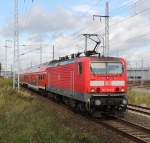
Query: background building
x=136 y=74
x=7 y=74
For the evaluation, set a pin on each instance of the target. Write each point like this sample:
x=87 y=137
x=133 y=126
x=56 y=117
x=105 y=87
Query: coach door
x=48 y=79
x=37 y=80
x=72 y=82
x=79 y=77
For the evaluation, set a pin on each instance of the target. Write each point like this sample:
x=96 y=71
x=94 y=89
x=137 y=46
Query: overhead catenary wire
x=132 y=16
x=126 y=18
x=127 y=5
x=85 y=27
x=25 y=7
x=26 y=20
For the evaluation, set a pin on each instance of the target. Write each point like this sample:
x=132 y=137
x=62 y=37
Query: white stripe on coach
x=118 y=83
x=96 y=83
x=102 y=83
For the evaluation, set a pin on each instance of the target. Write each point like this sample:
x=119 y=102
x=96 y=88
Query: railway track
x=139 y=109
x=127 y=129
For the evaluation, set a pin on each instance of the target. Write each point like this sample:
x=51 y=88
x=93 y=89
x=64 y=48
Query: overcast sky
x=62 y=22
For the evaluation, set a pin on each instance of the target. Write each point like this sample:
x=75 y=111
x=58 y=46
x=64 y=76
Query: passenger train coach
x=93 y=84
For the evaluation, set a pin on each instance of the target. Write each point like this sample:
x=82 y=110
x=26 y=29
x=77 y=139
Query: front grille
x=106 y=100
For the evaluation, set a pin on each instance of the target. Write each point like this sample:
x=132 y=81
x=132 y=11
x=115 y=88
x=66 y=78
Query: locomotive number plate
x=107 y=83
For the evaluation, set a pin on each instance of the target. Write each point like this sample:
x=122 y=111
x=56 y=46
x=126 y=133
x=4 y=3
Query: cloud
x=141 y=5
x=8 y=29
x=124 y=36
x=42 y=21
x=39 y=21
x=135 y=57
x=127 y=2
x=129 y=34
x=63 y=28
x=65 y=45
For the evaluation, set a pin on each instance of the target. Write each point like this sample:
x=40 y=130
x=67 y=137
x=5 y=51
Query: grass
x=26 y=119
x=139 y=98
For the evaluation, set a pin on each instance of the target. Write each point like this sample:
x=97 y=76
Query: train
x=93 y=84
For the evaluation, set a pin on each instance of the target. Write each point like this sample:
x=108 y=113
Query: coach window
x=80 y=68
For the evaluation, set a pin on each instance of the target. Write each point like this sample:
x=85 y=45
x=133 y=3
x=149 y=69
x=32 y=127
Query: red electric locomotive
x=88 y=83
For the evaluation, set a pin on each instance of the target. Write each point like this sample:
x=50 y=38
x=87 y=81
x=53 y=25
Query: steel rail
x=139 y=109
x=127 y=129
x=140 y=127
x=133 y=105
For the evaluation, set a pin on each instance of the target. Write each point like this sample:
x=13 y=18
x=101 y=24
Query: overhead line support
x=106 y=16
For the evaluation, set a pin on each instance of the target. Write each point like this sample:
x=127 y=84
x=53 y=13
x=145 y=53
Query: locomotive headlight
x=124 y=101
x=122 y=90
x=92 y=90
x=98 y=102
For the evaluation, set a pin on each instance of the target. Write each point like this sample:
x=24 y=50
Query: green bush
x=139 y=98
x=5 y=82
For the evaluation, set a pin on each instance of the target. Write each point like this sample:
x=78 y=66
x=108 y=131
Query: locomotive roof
x=106 y=58
x=43 y=67
x=92 y=58
x=84 y=57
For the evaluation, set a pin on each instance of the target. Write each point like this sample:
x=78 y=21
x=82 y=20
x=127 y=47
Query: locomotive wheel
x=82 y=107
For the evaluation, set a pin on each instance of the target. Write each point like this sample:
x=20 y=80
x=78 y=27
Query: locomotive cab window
x=80 y=68
x=106 y=68
x=114 y=68
x=98 y=68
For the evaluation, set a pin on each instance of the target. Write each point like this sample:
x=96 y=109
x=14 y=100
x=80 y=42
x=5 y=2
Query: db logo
x=107 y=83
